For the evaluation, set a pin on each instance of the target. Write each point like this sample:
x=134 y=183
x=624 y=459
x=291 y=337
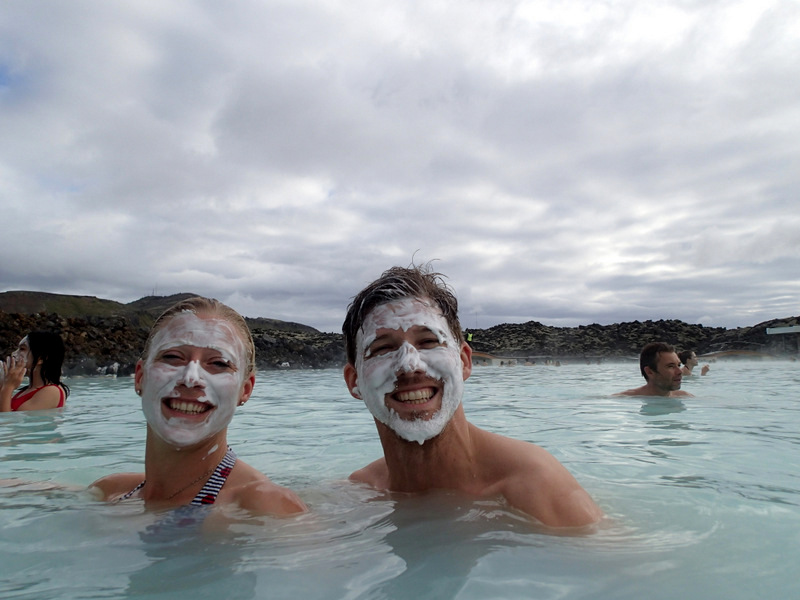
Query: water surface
x=702 y=496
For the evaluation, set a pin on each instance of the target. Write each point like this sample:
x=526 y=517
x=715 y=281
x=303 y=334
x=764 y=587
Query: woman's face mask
x=23 y=354
x=193 y=378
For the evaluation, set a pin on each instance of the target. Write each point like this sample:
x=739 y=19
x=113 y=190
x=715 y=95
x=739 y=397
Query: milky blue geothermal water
x=702 y=496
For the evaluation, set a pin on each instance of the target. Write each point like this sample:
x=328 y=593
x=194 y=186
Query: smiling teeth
x=188 y=407
x=415 y=397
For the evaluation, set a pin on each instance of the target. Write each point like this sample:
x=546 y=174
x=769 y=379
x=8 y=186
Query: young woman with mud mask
x=198 y=366
x=38 y=357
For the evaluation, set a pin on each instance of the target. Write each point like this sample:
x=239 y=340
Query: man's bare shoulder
x=375 y=474
x=640 y=391
x=645 y=391
x=508 y=456
x=534 y=481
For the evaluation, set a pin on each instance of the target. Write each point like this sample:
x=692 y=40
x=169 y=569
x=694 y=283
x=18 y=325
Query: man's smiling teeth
x=415 y=396
x=188 y=407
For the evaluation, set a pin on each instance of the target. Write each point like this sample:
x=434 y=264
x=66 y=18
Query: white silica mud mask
x=21 y=352
x=218 y=389
x=377 y=374
x=22 y=355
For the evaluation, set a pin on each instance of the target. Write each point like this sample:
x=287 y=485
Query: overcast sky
x=569 y=162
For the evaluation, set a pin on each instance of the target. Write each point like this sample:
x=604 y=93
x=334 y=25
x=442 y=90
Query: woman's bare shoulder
x=253 y=491
x=113 y=486
x=48 y=397
x=375 y=475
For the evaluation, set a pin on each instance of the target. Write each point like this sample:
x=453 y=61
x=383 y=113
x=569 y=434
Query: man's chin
x=425 y=415
x=417 y=430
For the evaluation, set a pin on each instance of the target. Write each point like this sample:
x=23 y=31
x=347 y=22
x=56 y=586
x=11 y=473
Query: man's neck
x=654 y=390
x=447 y=461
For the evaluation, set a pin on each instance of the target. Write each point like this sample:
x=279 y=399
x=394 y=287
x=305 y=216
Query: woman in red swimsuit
x=197 y=367
x=39 y=356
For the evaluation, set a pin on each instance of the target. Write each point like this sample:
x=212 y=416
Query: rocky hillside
x=103 y=336
x=626 y=339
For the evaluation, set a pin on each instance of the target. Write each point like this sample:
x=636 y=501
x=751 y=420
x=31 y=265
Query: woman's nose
x=191 y=374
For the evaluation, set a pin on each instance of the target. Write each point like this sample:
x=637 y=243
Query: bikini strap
x=131 y=493
x=209 y=492
x=212 y=487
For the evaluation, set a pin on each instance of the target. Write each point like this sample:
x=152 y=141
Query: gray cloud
x=571 y=163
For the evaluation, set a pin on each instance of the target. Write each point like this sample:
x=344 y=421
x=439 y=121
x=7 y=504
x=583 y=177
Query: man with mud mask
x=407 y=360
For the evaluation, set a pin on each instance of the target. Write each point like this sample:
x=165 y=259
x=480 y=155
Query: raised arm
x=13 y=374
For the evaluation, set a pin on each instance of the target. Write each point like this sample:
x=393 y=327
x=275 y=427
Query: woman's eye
x=222 y=364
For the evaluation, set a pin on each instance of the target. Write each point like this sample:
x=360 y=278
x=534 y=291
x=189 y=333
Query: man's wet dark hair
x=649 y=356
x=395 y=284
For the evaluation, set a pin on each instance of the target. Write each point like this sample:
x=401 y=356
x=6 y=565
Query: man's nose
x=191 y=374
x=408 y=359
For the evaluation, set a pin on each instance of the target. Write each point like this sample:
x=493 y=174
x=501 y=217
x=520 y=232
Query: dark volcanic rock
x=94 y=345
x=103 y=345
x=103 y=336
x=110 y=336
x=624 y=340
x=298 y=350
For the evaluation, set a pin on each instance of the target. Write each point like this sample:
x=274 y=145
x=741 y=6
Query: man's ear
x=351 y=379
x=466 y=360
x=648 y=373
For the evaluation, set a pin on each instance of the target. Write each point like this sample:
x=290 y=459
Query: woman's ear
x=138 y=375
x=247 y=389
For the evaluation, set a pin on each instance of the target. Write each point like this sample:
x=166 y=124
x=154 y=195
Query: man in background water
x=661 y=369
x=407 y=360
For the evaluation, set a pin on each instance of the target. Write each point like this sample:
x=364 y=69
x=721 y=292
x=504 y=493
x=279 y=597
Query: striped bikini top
x=208 y=494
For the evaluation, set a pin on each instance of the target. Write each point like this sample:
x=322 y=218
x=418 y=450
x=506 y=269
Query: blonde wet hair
x=212 y=308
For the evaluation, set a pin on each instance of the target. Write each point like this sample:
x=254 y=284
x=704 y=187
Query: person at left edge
x=38 y=356
x=198 y=366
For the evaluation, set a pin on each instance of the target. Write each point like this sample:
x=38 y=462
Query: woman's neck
x=165 y=466
x=35 y=380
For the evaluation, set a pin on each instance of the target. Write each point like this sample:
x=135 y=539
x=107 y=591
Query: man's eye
x=429 y=343
x=171 y=357
x=380 y=349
